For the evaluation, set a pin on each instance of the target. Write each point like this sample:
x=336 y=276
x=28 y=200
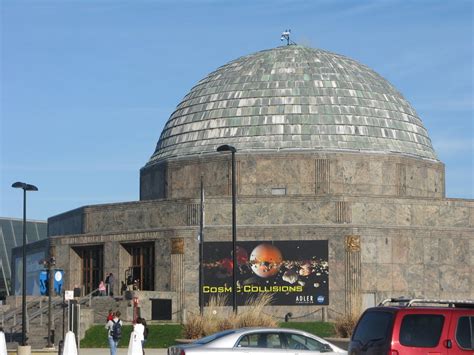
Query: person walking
x=135 y=346
x=110 y=316
x=114 y=328
x=145 y=334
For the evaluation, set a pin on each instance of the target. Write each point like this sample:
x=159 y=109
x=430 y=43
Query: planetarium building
x=340 y=197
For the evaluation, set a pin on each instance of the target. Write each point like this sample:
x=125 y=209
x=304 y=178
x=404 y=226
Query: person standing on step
x=102 y=288
x=111 y=285
x=114 y=328
x=107 y=286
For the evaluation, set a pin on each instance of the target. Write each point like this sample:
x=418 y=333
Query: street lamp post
x=229 y=148
x=25 y=187
x=49 y=264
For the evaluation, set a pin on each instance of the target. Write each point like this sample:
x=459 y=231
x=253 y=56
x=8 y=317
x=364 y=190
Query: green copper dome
x=294 y=98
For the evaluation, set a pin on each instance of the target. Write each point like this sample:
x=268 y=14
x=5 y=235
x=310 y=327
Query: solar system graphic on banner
x=294 y=272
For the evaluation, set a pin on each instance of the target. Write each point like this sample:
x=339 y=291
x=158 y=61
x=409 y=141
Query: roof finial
x=286 y=35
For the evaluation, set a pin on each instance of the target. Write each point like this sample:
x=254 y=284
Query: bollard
x=3 y=343
x=24 y=350
x=324 y=314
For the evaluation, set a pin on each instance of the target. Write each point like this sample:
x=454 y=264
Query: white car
x=258 y=341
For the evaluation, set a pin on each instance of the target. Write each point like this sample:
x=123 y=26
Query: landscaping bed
x=165 y=335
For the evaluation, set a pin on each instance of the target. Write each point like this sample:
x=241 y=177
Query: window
x=248 y=341
x=261 y=340
x=214 y=336
x=373 y=328
x=465 y=333
x=421 y=330
x=300 y=342
x=273 y=341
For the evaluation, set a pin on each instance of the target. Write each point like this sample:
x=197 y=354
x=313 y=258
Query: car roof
x=269 y=329
x=416 y=309
x=426 y=302
x=274 y=329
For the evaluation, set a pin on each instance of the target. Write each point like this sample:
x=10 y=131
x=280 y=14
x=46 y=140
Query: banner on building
x=44 y=282
x=293 y=272
x=58 y=281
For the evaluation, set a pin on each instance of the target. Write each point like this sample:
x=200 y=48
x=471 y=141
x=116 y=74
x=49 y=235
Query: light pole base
x=24 y=350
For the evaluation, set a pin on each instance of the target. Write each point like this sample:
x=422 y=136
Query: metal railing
x=38 y=309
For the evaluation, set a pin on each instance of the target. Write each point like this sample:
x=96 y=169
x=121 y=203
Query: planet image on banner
x=265 y=260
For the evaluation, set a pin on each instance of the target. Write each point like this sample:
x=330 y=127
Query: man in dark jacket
x=111 y=284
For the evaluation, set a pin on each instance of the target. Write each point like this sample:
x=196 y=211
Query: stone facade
x=299 y=174
x=415 y=243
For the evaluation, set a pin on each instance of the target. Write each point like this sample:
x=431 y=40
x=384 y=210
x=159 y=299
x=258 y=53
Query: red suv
x=414 y=327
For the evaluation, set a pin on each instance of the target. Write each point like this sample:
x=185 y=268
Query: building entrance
x=92 y=266
x=141 y=273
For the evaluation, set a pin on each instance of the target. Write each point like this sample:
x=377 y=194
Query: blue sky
x=87 y=86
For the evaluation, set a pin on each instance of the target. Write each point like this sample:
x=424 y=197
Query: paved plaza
x=89 y=351
x=120 y=352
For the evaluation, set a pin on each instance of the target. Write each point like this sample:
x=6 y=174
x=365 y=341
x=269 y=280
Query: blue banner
x=58 y=280
x=43 y=282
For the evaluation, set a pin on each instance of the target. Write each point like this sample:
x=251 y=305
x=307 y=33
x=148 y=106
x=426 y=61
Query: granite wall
x=390 y=229
x=410 y=247
x=302 y=173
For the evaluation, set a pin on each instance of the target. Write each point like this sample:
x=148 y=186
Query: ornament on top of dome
x=286 y=36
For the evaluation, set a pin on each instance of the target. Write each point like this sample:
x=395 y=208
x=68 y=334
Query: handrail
x=37 y=308
x=42 y=308
x=17 y=310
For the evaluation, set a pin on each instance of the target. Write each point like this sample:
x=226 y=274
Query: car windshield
x=213 y=337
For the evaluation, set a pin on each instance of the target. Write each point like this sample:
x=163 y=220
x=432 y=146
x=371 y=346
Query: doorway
x=141 y=273
x=92 y=266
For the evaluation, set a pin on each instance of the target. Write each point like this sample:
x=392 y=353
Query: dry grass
x=253 y=314
x=217 y=317
x=345 y=325
x=193 y=328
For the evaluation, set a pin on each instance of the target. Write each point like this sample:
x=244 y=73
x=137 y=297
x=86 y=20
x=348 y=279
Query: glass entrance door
x=92 y=267
x=143 y=265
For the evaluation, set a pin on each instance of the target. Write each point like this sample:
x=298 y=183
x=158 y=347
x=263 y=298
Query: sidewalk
x=103 y=351
x=120 y=352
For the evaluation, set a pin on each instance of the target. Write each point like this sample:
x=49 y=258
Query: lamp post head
x=226 y=148
x=24 y=186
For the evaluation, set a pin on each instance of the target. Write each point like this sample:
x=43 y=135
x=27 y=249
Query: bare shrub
x=227 y=322
x=253 y=315
x=217 y=317
x=345 y=325
x=194 y=327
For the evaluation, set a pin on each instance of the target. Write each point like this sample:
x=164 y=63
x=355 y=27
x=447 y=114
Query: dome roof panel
x=291 y=98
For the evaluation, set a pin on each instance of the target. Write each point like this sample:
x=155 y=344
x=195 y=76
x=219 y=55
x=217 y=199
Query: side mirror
x=326 y=348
